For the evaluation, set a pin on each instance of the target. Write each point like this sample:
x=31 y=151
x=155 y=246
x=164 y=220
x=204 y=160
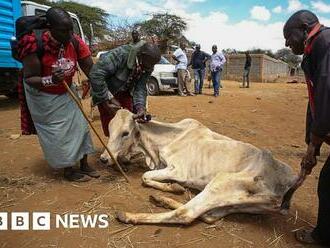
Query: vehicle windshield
x=163 y=61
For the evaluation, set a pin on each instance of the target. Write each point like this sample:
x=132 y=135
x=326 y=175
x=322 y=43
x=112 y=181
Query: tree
x=86 y=14
x=230 y=51
x=120 y=30
x=44 y=2
x=168 y=28
x=286 y=55
x=262 y=51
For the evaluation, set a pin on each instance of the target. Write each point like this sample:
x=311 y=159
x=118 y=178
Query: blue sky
x=240 y=10
x=234 y=24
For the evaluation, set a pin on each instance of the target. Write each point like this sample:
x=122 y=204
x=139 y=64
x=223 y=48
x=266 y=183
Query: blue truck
x=10 y=10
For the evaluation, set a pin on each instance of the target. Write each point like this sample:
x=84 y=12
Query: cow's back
x=198 y=154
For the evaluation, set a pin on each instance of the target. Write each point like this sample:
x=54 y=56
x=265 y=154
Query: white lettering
x=64 y=222
x=74 y=220
x=88 y=221
x=20 y=221
x=103 y=218
x=41 y=221
x=3 y=221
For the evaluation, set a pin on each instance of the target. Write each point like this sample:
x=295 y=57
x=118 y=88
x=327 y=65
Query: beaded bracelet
x=47 y=81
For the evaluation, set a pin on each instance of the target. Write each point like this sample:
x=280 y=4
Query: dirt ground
x=269 y=116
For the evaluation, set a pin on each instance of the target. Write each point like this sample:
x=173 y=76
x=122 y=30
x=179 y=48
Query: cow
x=232 y=176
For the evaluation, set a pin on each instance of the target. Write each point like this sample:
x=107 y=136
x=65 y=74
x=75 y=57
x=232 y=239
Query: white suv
x=163 y=78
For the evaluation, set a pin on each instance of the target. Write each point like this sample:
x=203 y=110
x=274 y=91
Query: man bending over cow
x=305 y=35
x=119 y=79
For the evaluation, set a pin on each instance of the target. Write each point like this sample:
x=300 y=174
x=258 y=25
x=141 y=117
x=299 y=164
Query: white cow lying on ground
x=233 y=176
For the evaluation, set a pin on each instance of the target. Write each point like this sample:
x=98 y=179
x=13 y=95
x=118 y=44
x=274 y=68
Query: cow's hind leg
x=166 y=202
x=226 y=192
x=210 y=198
x=185 y=214
x=154 y=179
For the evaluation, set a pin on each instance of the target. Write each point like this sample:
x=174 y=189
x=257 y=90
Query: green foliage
x=87 y=15
x=44 y=2
x=283 y=54
x=287 y=56
x=261 y=51
x=168 y=28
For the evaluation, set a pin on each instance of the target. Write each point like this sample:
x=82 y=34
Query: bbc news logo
x=42 y=221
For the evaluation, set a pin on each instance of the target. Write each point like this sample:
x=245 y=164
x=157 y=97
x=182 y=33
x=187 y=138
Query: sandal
x=305 y=236
x=75 y=176
x=89 y=171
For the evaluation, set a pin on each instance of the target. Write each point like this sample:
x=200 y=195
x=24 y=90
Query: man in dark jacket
x=119 y=79
x=305 y=35
x=198 y=60
x=247 y=67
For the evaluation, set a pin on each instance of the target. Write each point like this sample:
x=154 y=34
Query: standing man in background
x=217 y=62
x=198 y=60
x=180 y=57
x=135 y=36
x=247 y=67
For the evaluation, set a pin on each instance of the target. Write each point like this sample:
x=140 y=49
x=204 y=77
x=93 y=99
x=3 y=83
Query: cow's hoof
x=177 y=188
x=158 y=201
x=122 y=217
x=155 y=200
x=104 y=159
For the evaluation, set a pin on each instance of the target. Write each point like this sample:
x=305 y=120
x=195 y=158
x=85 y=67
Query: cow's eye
x=124 y=134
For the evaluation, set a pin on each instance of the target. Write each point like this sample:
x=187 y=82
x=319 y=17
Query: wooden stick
x=120 y=230
x=73 y=96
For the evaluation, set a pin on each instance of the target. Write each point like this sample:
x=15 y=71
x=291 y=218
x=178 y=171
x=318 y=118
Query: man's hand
x=57 y=76
x=111 y=106
x=141 y=116
x=309 y=160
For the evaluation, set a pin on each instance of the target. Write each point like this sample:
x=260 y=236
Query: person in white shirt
x=216 y=65
x=180 y=57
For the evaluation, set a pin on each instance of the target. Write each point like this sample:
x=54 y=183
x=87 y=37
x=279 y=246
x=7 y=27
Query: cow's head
x=124 y=136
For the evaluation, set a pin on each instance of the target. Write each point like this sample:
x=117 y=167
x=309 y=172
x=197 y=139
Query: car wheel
x=152 y=86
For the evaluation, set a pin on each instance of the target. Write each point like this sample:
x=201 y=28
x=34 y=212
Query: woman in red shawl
x=61 y=128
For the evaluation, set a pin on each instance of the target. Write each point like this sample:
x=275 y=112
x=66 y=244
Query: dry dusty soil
x=269 y=116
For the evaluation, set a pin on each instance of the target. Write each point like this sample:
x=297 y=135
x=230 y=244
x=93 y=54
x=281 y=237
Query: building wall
x=234 y=67
x=263 y=68
x=273 y=69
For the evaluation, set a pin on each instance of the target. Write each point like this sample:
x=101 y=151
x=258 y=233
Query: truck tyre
x=152 y=86
x=12 y=95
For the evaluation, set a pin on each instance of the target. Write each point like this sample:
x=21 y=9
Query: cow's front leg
x=165 y=202
x=153 y=179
